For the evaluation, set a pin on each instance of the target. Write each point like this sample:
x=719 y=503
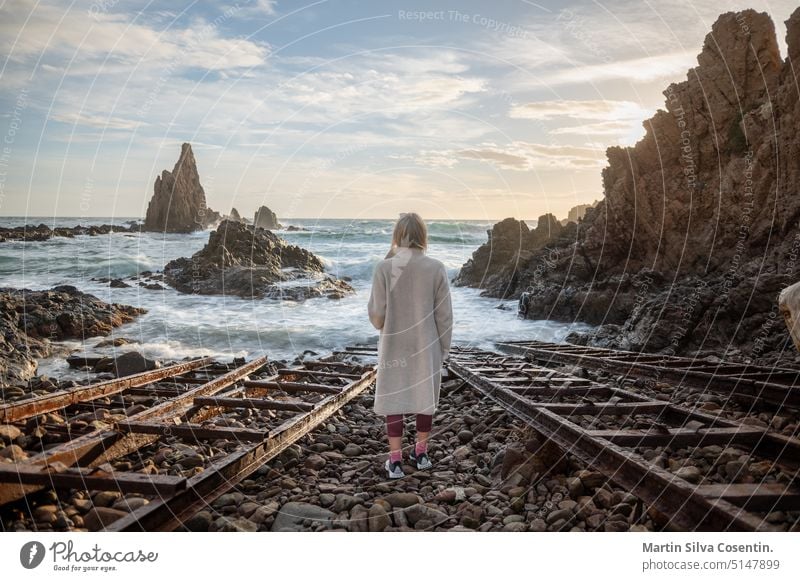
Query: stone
x=690 y=474
x=262 y=513
x=179 y=201
x=9 y=433
x=292 y=514
x=326 y=499
x=465 y=436
x=515 y=527
x=344 y=502
x=237 y=525
x=402 y=499
x=378 y=518
x=359 y=519
x=13 y=452
x=352 y=450
x=315 y=462
x=126 y=364
x=100 y=517
x=199 y=522
x=106 y=498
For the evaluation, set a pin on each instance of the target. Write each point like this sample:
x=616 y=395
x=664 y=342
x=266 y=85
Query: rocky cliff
x=179 y=201
x=266 y=218
x=698 y=230
x=30 y=320
x=252 y=262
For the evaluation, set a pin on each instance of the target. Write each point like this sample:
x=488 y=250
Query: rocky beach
x=696 y=235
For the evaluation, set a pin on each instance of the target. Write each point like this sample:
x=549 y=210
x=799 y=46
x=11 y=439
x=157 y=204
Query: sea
x=180 y=325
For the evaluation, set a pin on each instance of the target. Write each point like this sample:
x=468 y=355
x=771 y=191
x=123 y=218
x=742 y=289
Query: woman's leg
x=424 y=423
x=394 y=429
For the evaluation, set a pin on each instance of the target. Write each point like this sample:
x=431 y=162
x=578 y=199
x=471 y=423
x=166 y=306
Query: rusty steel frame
x=752 y=384
x=99 y=447
x=169 y=513
x=686 y=505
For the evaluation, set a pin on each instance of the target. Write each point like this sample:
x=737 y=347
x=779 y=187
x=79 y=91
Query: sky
x=335 y=108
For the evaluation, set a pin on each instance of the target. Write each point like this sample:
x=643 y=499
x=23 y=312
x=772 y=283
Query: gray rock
x=378 y=519
x=199 y=522
x=352 y=450
x=292 y=514
x=402 y=499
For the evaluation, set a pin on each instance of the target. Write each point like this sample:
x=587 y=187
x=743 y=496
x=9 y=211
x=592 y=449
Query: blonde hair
x=410 y=232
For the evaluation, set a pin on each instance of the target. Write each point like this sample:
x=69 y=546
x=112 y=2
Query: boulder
x=292 y=514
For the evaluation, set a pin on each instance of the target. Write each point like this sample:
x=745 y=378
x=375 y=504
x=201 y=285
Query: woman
x=410 y=305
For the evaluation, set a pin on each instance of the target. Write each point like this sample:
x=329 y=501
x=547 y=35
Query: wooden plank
x=60 y=399
x=255 y=403
x=679 y=437
x=761 y=497
x=294 y=387
x=193 y=432
x=60 y=476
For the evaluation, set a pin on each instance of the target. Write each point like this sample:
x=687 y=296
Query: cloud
x=30 y=31
x=642 y=69
x=523 y=156
x=95 y=121
x=601 y=110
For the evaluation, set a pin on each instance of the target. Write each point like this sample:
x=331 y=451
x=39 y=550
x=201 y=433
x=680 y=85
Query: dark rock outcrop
x=266 y=218
x=30 y=320
x=510 y=247
x=31 y=233
x=179 y=201
x=251 y=262
x=698 y=230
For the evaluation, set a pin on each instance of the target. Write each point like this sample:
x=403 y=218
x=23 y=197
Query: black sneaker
x=394 y=469
x=422 y=461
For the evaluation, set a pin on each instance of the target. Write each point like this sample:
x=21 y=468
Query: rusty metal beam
x=16 y=411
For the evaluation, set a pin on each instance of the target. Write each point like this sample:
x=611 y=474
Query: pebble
x=690 y=474
x=402 y=499
x=352 y=450
x=515 y=527
x=9 y=433
x=378 y=519
x=100 y=517
x=465 y=436
x=199 y=522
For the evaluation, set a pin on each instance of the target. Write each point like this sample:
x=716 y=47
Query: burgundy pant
x=394 y=424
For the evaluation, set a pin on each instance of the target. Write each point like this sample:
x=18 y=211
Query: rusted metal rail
x=753 y=385
x=565 y=409
x=285 y=406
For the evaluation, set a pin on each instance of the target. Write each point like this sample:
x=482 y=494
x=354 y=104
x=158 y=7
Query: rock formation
x=252 y=262
x=511 y=245
x=698 y=230
x=234 y=216
x=30 y=320
x=179 y=201
x=31 y=233
x=266 y=218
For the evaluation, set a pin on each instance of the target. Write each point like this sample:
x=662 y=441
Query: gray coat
x=410 y=305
